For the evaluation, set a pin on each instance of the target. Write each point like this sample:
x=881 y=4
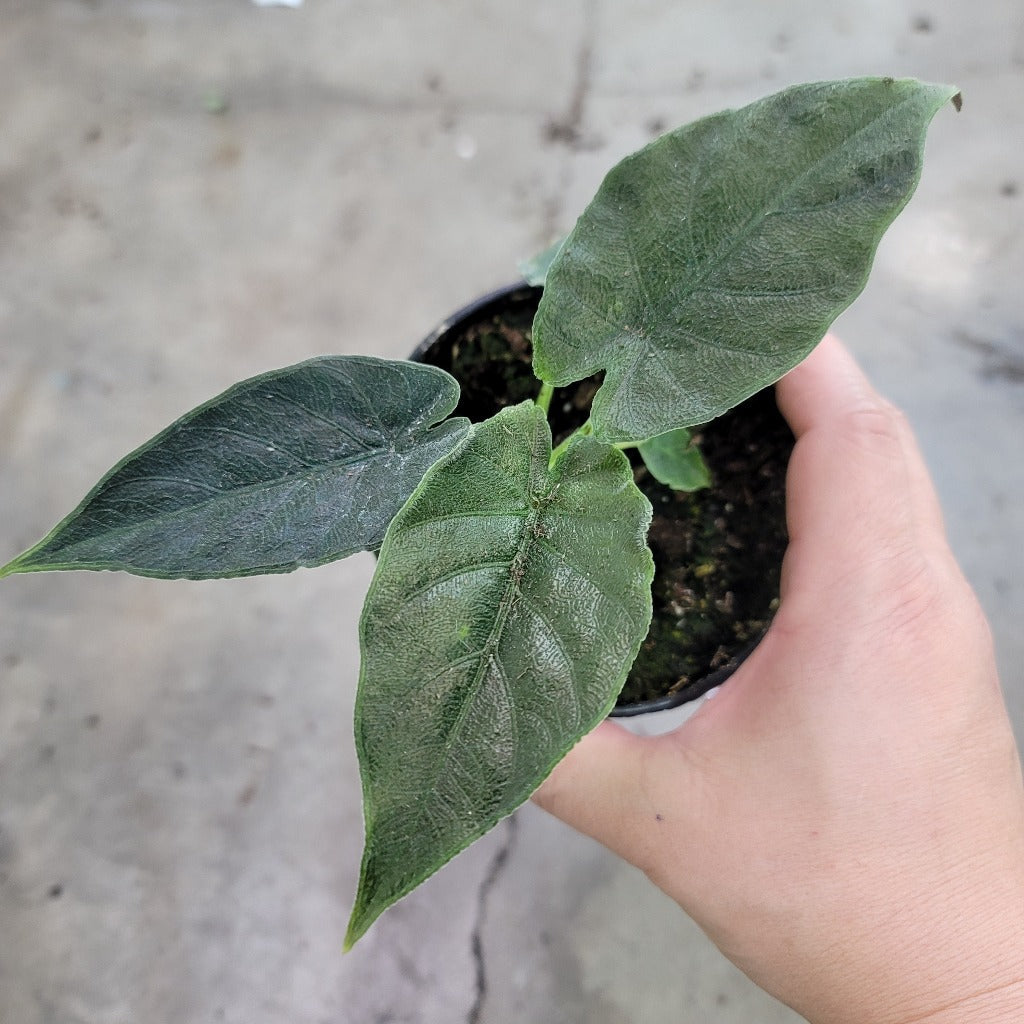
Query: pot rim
x=685 y=694
x=473 y=309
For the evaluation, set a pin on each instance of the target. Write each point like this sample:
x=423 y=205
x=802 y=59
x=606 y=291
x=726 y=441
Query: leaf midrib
x=691 y=285
x=306 y=475
x=528 y=537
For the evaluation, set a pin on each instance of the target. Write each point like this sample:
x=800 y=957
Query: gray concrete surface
x=194 y=192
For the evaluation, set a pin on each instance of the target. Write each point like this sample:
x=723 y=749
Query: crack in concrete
x=494 y=871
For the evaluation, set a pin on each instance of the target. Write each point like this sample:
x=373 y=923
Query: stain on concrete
x=567 y=128
x=1001 y=360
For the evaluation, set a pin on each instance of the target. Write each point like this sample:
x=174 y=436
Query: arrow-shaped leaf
x=674 y=460
x=509 y=603
x=713 y=260
x=292 y=468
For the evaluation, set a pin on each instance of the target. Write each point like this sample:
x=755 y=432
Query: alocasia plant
x=512 y=589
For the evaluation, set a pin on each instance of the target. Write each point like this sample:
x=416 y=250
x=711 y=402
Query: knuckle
x=918 y=598
x=930 y=603
x=878 y=426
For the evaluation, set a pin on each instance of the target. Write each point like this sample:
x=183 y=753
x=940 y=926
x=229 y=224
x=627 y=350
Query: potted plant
x=513 y=585
x=717 y=532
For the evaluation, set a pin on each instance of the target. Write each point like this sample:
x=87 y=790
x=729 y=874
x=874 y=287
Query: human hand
x=845 y=819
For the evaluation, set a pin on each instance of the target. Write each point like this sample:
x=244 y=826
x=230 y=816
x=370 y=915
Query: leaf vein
x=436 y=581
x=729 y=245
x=335 y=425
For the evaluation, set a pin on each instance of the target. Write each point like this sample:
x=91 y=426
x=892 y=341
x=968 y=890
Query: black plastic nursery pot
x=717 y=551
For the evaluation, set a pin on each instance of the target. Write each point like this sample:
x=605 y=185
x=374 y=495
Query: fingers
x=858 y=491
x=827 y=384
x=828 y=393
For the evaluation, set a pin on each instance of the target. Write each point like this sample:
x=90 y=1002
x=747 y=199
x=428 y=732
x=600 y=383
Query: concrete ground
x=191 y=193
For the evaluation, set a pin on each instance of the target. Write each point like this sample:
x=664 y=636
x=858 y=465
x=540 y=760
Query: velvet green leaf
x=509 y=603
x=675 y=461
x=292 y=468
x=714 y=259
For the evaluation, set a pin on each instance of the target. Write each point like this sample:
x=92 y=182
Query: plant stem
x=544 y=398
x=585 y=431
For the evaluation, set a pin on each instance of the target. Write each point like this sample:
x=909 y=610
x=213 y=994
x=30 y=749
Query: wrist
x=1001 y=1005
x=959 y=968
x=980 y=979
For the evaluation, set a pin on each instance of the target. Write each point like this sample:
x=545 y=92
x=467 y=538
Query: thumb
x=601 y=788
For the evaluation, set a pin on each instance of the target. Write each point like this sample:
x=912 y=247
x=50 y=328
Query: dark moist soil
x=717 y=552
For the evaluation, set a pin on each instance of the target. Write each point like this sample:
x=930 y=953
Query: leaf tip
x=957 y=99
x=358 y=924
x=11 y=567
